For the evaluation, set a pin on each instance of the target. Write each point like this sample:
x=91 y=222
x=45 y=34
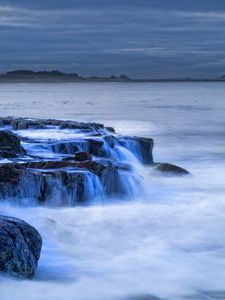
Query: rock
x=59 y=183
x=82 y=156
x=91 y=166
x=95 y=147
x=141 y=147
x=10 y=145
x=20 y=247
x=8 y=154
x=26 y=123
x=111 y=129
x=169 y=168
x=9 y=173
x=65 y=147
x=93 y=161
x=79 y=125
x=111 y=140
x=22 y=124
x=16 y=179
x=6 y=121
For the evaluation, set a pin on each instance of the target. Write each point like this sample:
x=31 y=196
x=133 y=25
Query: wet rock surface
x=68 y=163
x=82 y=156
x=27 y=123
x=10 y=145
x=20 y=247
x=167 y=168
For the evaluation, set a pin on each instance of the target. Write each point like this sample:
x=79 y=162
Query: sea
x=167 y=243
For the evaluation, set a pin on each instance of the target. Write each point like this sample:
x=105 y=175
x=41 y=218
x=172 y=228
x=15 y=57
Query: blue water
x=169 y=242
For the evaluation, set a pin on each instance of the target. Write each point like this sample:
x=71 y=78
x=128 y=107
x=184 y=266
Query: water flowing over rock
x=69 y=163
x=20 y=247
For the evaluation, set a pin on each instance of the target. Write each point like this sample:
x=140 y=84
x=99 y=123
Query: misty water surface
x=169 y=243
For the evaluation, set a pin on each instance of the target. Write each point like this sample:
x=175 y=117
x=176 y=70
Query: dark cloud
x=141 y=38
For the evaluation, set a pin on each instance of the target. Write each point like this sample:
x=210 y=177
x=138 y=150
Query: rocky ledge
x=20 y=247
x=68 y=163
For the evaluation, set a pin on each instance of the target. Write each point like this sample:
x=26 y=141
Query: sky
x=140 y=38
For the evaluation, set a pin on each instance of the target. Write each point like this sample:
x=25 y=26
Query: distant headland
x=58 y=76
x=29 y=75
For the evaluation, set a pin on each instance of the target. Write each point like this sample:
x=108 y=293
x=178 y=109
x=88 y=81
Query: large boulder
x=20 y=247
x=10 y=145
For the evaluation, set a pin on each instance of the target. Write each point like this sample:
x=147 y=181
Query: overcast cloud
x=145 y=39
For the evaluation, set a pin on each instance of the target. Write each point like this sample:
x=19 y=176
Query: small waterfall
x=69 y=188
x=116 y=168
x=69 y=147
x=133 y=147
x=93 y=189
x=131 y=184
x=123 y=154
x=38 y=150
x=125 y=180
x=54 y=188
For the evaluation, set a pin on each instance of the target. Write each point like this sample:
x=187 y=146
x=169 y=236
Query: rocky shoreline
x=63 y=163
x=73 y=161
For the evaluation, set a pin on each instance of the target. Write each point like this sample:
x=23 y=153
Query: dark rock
x=95 y=147
x=10 y=145
x=146 y=146
x=9 y=173
x=82 y=156
x=169 y=168
x=94 y=162
x=6 y=121
x=91 y=166
x=66 y=147
x=111 y=140
x=140 y=147
x=89 y=127
x=26 y=123
x=20 y=247
x=22 y=124
x=61 y=182
x=111 y=129
x=8 y=154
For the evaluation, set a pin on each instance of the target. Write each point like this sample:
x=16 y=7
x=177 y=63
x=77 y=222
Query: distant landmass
x=55 y=75
x=24 y=75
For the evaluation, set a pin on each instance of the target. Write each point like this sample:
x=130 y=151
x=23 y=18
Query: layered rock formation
x=58 y=162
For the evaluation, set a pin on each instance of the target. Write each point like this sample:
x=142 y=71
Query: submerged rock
x=170 y=168
x=20 y=247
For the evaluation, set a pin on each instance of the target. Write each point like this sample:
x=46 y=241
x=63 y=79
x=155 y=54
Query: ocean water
x=168 y=244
